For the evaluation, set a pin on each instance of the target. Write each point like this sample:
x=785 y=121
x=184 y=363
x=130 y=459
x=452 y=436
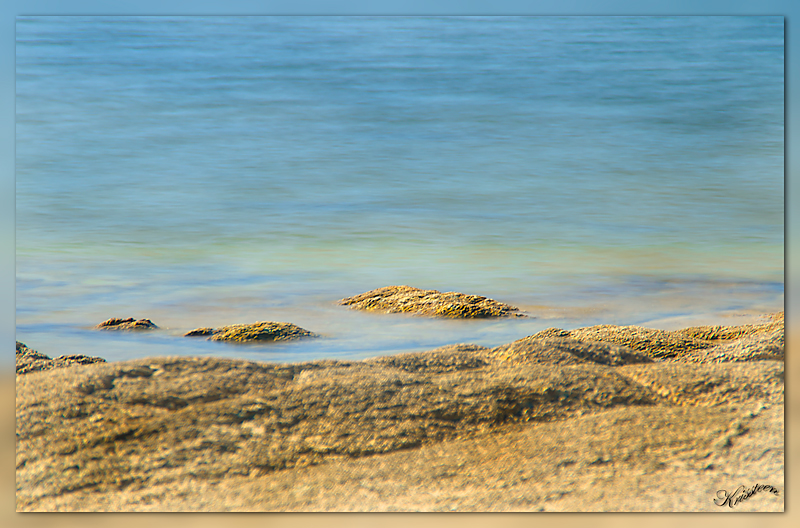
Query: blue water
x=203 y=171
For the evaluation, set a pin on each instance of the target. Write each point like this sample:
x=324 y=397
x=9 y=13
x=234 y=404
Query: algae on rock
x=406 y=299
x=116 y=323
x=259 y=331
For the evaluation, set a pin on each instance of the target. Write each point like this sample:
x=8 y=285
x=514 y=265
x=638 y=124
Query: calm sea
x=204 y=171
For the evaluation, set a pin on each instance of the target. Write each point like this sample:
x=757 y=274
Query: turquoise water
x=210 y=171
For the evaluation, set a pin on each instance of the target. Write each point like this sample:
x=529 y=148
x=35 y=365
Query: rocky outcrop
x=29 y=360
x=432 y=303
x=671 y=344
x=129 y=427
x=260 y=331
x=126 y=324
x=566 y=351
x=132 y=435
x=772 y=322
x=755 y=346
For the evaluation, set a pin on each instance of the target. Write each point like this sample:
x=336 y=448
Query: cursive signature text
x=741 y=494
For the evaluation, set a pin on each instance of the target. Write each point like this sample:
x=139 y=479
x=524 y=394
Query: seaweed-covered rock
x=29 y=360
x=126 y=324
x=259 y=331
x=432 y=303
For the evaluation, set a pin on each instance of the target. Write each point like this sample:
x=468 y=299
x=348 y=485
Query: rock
x=565 y=351
x=126 y=324
x=135 y=434
x=260 y=331
x=663 y=344
x=656 y=343
x=727 y=333
x=769 y=345
x=445 y=359
x=405 y=299
x=29 y=360
x=550 y=332
x=142 y=422
x=205 y=331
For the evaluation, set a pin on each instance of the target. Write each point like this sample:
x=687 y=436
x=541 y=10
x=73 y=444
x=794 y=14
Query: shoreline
x=349 y=334
x=147 y=434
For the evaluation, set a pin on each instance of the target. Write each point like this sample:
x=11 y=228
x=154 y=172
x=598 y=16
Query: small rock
x=126 y=324
x=259 y=331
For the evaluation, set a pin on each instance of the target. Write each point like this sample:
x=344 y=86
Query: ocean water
x=204 y=171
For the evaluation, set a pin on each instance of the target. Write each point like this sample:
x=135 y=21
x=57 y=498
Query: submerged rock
x=405 y=299
x=260 y=331
x=126 y=324
x=29 y=360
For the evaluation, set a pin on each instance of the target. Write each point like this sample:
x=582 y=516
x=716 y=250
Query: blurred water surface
x=202 y=171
